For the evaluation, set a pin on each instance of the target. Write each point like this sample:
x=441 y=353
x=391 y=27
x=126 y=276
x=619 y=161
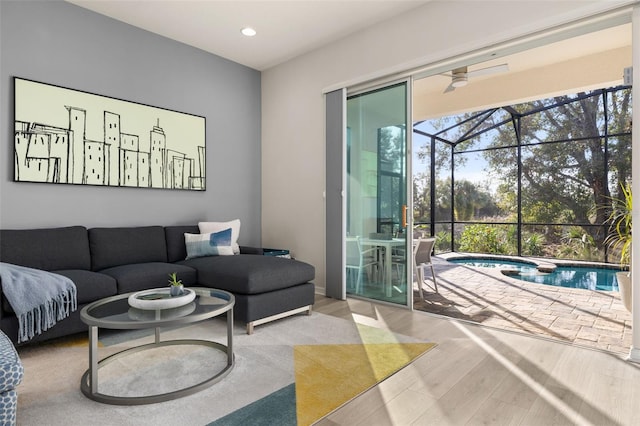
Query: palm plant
x=619 y=238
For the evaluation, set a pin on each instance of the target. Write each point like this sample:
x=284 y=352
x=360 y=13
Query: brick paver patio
x=484 y=295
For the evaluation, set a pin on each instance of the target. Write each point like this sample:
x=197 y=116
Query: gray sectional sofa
x=104 y=262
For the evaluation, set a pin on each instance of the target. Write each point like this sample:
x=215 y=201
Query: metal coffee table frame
x=89 y=381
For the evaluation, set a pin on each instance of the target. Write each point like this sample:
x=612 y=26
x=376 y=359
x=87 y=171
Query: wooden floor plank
x=480 y=375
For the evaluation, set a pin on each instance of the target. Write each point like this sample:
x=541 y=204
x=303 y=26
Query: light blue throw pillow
x=212 y=244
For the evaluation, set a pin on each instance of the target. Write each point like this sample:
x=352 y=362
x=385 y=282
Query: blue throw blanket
x=39 y=298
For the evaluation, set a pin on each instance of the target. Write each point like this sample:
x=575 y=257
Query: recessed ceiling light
x=248 y=31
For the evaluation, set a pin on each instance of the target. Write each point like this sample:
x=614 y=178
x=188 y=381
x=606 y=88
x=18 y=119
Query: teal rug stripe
x=277 y=409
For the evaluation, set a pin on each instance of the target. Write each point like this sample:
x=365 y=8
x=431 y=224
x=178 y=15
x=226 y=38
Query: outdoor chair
x=422 y=257
x=360 y=261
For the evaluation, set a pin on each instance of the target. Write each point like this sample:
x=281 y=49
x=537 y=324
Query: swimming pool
x=496 y=263
x=584 y=277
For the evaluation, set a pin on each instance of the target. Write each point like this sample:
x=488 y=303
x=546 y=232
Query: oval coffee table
x=116 y=313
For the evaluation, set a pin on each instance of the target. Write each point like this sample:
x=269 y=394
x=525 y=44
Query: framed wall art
x=68 y=136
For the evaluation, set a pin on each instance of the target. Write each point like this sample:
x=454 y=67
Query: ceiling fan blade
x=460 y=76
x=455 y=71
x=489 y=70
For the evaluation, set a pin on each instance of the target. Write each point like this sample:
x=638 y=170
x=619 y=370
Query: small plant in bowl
x=175 y=285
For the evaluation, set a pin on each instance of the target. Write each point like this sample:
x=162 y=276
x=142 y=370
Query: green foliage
x=619 y=238
x=174 y=281
x=421 y=198
x=506 y=200
x=443 y=242
x=542 y=211
x=533 y=244
x=391 y=144
x=473 y=202
x=576 y=244
x=484 y=238
x=443 y=199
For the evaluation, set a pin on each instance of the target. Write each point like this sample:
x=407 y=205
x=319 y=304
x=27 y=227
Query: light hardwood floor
x=478 y=375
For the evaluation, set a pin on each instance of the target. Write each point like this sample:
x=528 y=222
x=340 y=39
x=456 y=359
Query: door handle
x=404 y=215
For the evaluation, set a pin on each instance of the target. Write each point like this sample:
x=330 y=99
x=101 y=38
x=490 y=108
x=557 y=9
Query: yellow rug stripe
x=327 y=376
x=71 y=341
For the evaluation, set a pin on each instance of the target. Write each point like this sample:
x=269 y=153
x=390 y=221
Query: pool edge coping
x=542 y=264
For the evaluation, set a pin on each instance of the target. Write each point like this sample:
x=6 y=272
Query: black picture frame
x=69 y=136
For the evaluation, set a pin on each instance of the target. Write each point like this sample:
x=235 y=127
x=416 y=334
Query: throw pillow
x=211 y=244
x=208 y=227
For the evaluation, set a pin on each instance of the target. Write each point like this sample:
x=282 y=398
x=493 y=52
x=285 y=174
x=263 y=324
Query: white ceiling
x=584 y=62
x=285 y=29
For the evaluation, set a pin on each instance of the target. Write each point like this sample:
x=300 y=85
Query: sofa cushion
x=90 y=286
x=122 y=246
x=250 y=274
x=176 y=249
x=48 y=249
x=143 y=276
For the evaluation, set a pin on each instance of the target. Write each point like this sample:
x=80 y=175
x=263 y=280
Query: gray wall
x=63 y=44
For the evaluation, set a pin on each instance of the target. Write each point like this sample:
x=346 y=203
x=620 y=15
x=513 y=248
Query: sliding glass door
x=376 y=246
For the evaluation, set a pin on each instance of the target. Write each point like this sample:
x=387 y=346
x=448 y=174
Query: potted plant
x=620 y=240
x=175 y=285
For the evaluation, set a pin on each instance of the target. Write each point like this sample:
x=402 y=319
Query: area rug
x=290 y=372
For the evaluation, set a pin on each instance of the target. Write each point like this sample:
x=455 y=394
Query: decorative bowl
x=165 y=314
x=160 y=298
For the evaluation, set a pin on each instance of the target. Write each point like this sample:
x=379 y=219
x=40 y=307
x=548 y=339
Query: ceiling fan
x=460 y=76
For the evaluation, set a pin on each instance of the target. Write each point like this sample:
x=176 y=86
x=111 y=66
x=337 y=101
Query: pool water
x=495 y=263
x=589 y=278
x=600 y=279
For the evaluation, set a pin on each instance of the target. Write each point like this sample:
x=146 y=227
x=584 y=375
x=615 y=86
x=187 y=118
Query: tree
x=563 y=166
x=472 y=202
x=421 y=198
x=574 y=149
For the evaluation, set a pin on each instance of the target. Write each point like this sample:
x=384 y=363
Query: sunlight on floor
x=595 y=319
x=375 y=320
x=537 y=387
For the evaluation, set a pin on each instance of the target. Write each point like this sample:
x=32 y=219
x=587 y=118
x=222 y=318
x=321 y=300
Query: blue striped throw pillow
x=212 y=244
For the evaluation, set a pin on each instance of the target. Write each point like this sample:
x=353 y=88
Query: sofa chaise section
x=265 y=287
